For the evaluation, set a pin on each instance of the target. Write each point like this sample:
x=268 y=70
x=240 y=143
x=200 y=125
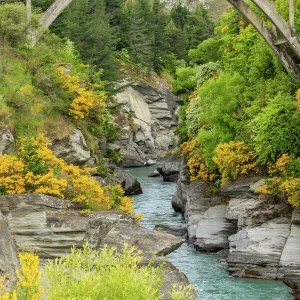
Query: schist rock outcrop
x=149 y=131
x=51 y=226
x=259 y=237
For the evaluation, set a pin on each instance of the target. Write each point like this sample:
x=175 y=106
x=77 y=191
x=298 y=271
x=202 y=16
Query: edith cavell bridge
x=281 y=36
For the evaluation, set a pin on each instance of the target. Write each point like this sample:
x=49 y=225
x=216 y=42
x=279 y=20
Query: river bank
x=211 y=279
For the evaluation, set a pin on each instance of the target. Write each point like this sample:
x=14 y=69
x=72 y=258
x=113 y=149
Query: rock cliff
x=7 y=141
x=260 y=237
x=150 y=112
x=216 y=7
x=51 y=226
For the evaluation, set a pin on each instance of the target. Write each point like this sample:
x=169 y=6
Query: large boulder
x=8 y=254
x=51 y=226
x=169 y=167
x=73 y=149
x=150 y=112
x=180 y=197
x=128 y=182
x=7 y=142
x=199 y=200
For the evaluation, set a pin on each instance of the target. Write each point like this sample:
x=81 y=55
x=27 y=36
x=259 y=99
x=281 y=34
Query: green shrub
x=185 y=81
x=276 y=129
x=106 y=274
x=207 y=71
x=14 y=27
x=207 y=51
x=218 y=117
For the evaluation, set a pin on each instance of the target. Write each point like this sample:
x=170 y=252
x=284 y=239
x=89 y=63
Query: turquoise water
x=210 y=278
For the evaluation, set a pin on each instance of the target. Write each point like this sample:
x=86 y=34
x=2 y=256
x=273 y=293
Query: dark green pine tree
x=124 y=27
x=138 y=37
x=114 y=11
x=199 y=26
x=89 y=28
x=178 y=41
x=179 y=15
x=161 y=47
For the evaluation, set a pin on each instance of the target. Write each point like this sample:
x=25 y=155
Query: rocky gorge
x=51 y=226
x=256 y=237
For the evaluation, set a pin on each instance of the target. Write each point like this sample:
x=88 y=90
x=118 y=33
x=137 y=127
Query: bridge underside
x=286 y=49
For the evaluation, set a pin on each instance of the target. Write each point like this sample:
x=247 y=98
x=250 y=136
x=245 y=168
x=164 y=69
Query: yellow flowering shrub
x=234 y=159
x=285 y=179
x=84 y=100
x=28 y=280
x=37 y=170
x=7 y=295
x=298 y=99
x=29 y=277
x=11 y=178
x=197 y=166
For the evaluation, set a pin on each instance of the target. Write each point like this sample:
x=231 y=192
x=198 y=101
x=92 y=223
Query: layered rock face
x=73 y=149
x=151 y=112
x=7 y=141
x=260 y=237
x=51 y=226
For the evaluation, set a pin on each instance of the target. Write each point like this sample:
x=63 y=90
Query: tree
x=199 y=26
x=178 y=41
x=138 y=37
x=179 y=15
x=88 y=26
x=161 y=47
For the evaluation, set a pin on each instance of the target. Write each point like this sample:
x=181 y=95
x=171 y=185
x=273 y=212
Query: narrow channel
x=210 y=278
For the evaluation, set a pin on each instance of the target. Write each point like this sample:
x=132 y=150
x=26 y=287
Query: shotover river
x=210 y=278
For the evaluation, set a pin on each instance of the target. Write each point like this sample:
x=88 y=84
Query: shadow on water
x=210 y=278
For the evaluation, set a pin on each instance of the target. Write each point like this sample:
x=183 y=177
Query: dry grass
x=58 y=128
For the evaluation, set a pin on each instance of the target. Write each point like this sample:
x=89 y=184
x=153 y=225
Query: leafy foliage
x=197 y=166
x=105 y=274
x=234 y=159
x=276 y=129
x=245 y=113
x=36 y=170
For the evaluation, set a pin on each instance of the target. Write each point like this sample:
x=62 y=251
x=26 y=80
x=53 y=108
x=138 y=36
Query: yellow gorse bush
x=197 y=166
x=234 y=159
x=298 y=99
x=37 y=170
x=84 y=100
x=28 y=280
x=29 y=277
x=284 y=180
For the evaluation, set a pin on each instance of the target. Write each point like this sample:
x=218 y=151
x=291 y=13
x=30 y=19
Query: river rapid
x=211 y=280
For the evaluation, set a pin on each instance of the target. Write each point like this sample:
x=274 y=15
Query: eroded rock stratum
x=50 y=227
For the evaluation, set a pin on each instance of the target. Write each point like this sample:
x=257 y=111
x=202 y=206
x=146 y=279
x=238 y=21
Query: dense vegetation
x=241 y=110
x=140 y=32
x=91 y=274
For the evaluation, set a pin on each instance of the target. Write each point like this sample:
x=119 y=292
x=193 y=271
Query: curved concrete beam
x=50 y=16
x=287 y=62
x=287 y=31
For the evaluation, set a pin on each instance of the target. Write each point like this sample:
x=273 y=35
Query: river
x=211 y=280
